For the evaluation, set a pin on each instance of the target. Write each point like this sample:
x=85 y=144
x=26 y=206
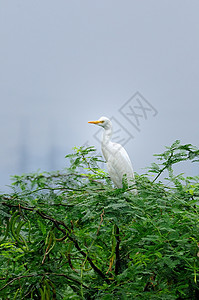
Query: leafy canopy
x=71 y=235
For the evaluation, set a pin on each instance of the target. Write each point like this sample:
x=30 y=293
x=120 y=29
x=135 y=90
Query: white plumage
x=117 y=159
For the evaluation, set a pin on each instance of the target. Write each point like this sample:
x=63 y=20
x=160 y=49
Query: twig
x=100 y=222
x=45 y=274
x=18 y=278
x=165 y=167
x=161 y=171
x=117 y=251
x=95 y=268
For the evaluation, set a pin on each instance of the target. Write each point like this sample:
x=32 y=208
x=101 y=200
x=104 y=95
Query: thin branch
x=18 y=278
x=70 y=262
x=117 y=251
x=68 y=277
x=100 y=222
x=43 y=215
x=95 y=268
x=165 y=167
x=45 y=274
x=161 y=171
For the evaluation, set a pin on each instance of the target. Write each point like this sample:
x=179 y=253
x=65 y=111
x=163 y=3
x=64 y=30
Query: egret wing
x=118 y=164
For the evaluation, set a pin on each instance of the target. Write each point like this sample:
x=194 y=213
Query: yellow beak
x=95 y=122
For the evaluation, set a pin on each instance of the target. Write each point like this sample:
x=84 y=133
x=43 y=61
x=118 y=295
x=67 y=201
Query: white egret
x=117 y=159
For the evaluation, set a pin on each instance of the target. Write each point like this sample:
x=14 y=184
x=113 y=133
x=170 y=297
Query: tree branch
x=70 y=236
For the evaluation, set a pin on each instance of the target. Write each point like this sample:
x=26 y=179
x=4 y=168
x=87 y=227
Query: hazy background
x=63 y=63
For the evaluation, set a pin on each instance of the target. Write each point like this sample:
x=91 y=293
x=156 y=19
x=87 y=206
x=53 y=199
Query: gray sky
x=63 y=63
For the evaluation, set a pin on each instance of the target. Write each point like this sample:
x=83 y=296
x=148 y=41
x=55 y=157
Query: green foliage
x=71 y=235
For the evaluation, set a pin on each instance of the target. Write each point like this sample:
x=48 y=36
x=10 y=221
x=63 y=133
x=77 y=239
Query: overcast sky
x=64 y=63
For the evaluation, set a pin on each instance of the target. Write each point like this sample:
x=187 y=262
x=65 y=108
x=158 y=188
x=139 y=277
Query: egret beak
x=95 y=122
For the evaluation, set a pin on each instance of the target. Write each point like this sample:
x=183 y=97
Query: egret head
x=103 y=122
